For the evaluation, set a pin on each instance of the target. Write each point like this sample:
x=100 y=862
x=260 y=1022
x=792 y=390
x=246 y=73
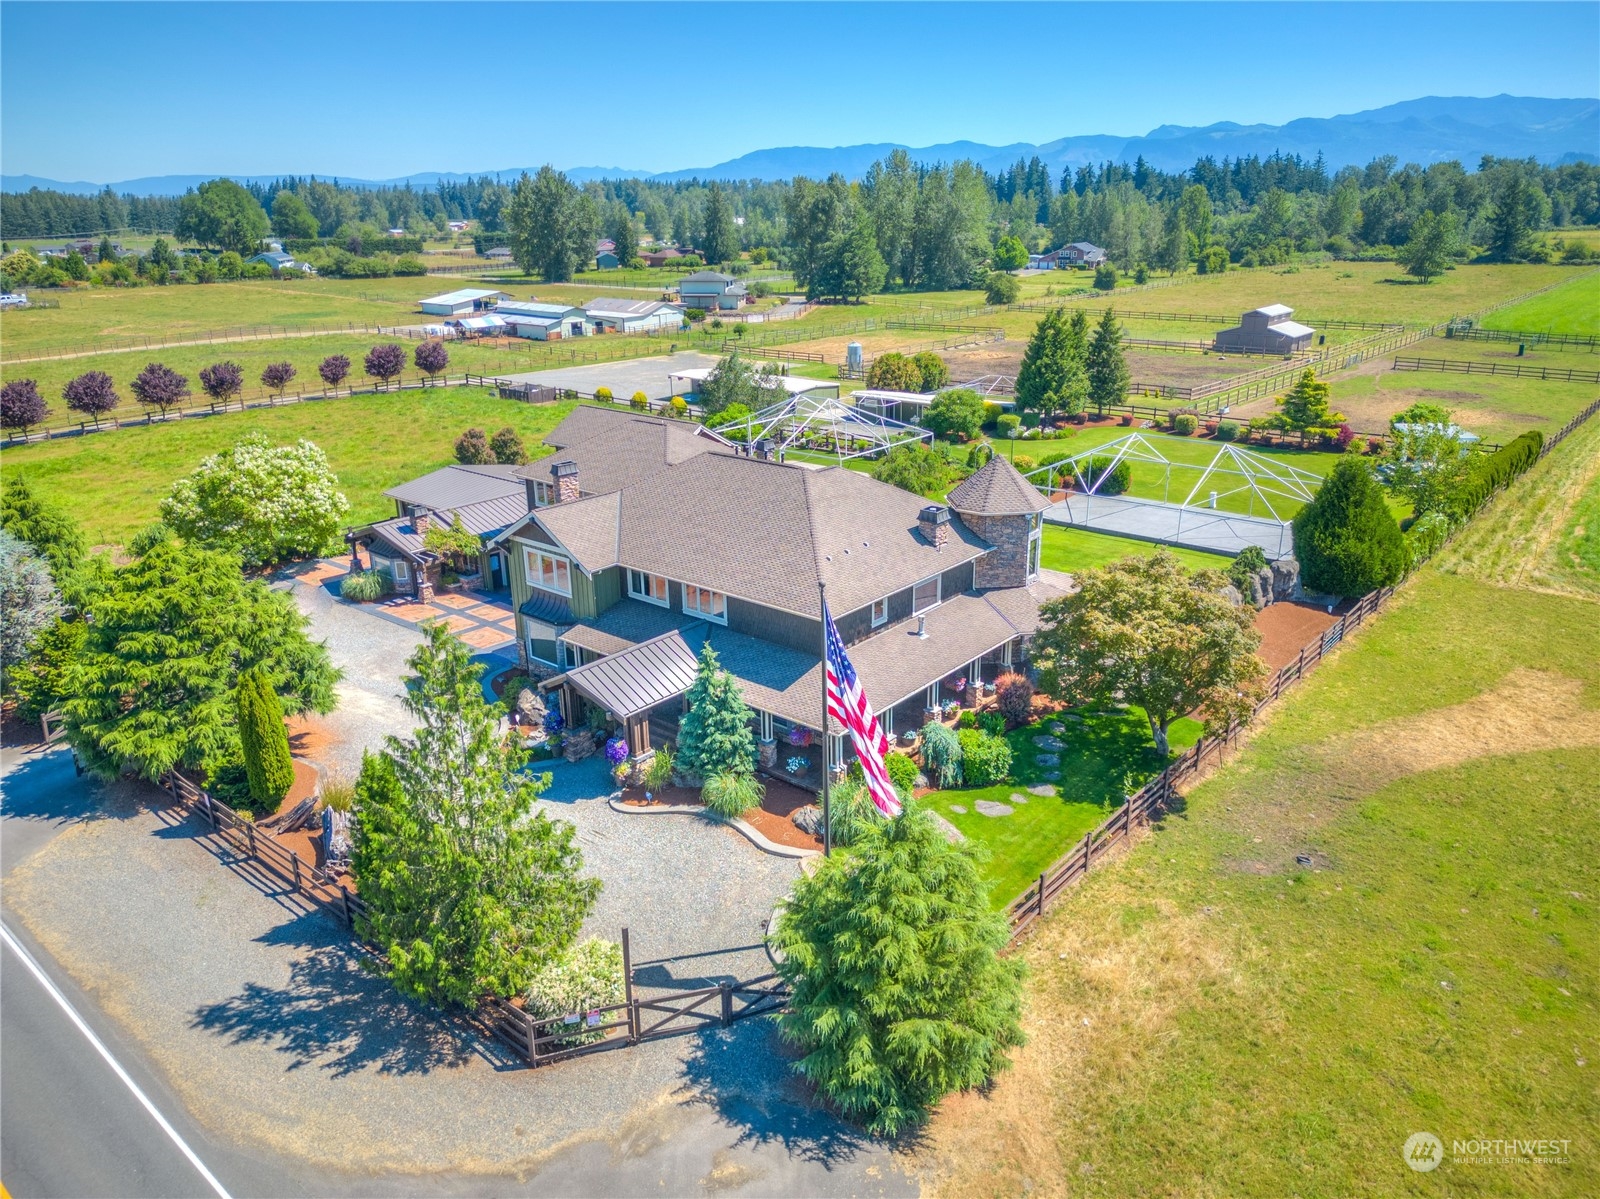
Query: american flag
x=847 y=703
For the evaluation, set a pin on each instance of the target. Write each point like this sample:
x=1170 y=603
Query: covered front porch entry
x=627 y=687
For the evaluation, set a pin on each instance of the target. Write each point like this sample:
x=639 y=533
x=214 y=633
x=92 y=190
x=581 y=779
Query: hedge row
x=1492 y=471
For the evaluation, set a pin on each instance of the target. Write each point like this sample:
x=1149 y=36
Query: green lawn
x=1496 y=407
x=1074 y=550
x=113 y=482
x=1210 y=1017
x=1572 y=308
x=1109 y=756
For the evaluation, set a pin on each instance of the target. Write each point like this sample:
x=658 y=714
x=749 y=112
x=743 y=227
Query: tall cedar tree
x=1074 y=389
x=1345 y=538
x=1107 y=365
x=900 y=995
x=721 y=240
x=45 y=526
x=1305 y=409
x=1145 y=631
x=264 y=741
x=714 y=736
x=168 y=637
x=1042 y=370
x=468 y=888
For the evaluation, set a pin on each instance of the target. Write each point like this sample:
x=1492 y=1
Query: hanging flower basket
x=800 y=737
x=616 y=751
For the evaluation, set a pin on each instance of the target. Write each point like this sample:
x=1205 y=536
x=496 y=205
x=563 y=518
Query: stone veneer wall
x=1007 y=564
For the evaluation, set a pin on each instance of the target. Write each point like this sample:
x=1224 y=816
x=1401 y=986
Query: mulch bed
x=305 y=842
x=771 y=819
x=1287 y=628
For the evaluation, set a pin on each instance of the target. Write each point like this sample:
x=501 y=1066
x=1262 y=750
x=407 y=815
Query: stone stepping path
x=988 y=807
x=1018 y=797
x=1048 y=759
x=958 y=809
x=1046 y=741
x=1042 y=789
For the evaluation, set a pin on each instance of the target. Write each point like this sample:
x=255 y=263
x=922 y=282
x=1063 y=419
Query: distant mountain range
x=1432 y=129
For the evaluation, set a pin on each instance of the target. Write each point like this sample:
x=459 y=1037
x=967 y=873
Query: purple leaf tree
x=277 y=376
x=385 y=362
x=333 y=369
x=223 y=381
x=431 y=357
x=21 y=405
x=160 y=386
x=92 y=393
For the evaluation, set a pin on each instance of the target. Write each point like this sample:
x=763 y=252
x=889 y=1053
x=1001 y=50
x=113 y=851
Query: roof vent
x=922 y=627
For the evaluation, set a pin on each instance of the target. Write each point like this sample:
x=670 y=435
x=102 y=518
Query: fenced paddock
x=1517 y=370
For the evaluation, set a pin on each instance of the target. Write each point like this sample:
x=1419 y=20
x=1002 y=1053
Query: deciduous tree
x=899 y=993
x=956 y=414
x=917 y=468
x=385 y=362
x=893 y=371
x=431 y=357
x=91 y=393
x=278 y=376
x=260 y=501
x=507 y=447
x=1434 y=243
x=160 y=386
x=1146 y=631
x=222 y=381
x=1010 y=254
x=468 y=887
x=222 y=215
x=291 y=217
x=333 y=369
x=21 y=405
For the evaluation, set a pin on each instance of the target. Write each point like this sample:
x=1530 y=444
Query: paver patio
x=480 y=620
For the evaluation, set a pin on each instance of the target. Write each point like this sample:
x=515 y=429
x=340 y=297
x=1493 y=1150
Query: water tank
x=852 y=355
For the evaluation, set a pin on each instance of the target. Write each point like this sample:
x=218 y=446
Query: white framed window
x=712 y=605
x=549 y=571
x=1035 y=546
x=652 y=589
x=544 y=494
x=925 y=595
x=880 y=612
x=402 y=571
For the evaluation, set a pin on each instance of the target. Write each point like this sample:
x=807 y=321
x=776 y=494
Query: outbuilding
x=1266 y=330
x=463 y=301
x=544 y=321
x=711 y=289
x=609 y=315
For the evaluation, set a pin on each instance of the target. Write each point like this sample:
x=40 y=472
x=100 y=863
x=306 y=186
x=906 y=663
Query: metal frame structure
x=800 y=418
x=1262 y=478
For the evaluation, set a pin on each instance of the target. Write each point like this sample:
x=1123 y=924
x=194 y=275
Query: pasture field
x=1208 y=1016
x=113 y=483
x=1572 y=308
x=1549 y=540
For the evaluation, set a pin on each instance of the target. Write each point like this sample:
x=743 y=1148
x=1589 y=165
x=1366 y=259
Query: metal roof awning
x=637 y=679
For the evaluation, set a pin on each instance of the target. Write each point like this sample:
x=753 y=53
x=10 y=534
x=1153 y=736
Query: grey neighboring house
x=278 y=261
x=1079 y=253
x=723 y=549
x=1266 y=330
x=711 y=289
x=486 y=499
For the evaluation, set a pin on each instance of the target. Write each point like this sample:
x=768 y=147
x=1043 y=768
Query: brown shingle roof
x=997 y=489
x=588 y=528
x=616 y=448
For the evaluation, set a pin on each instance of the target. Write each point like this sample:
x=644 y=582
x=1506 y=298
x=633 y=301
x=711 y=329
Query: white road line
x=144 y=1100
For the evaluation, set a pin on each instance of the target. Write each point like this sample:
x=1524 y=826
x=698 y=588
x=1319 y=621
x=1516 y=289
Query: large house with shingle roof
x=628 y=560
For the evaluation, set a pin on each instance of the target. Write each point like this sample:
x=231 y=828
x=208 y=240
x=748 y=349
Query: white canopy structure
x=1269 y=489
x=825 y=424
x=793 y=384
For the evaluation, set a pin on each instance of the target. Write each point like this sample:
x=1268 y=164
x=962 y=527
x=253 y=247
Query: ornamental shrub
x=507 y=447
x=1117 y=478
x=1007 y=424
x=1105 y=277
x=851 y=811
x=1345 y=539
x=985 y=760
x=472 y=449
x=941 y=755
x=967 y=720
x=639 y=402
x=679 y=406
x=264 y=741
x=992 y=723
x=714 y=736
x=1251 y=560
x=603 y=394
x=364 y=586
x=1013 y=695
x=1227 y=430
x=1184 y=424
x=658 y=773
x=583 y=979
x=886 y=1035
x=732 y=793
x=902 y=772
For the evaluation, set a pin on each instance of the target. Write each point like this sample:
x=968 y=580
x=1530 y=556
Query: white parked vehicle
x=13 y=299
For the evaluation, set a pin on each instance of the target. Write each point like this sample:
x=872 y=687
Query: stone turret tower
x=1003 y=508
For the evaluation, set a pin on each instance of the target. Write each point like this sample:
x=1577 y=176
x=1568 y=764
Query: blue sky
x=378 y=90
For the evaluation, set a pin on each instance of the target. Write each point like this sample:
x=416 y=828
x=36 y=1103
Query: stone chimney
x=421 y=519
x=565 y=474
x=934 y=523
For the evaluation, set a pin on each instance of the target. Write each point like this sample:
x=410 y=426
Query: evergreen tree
x=264 y=741
x=1073 y=393
x=714 y=736
x=1108 y=367
x=1516 y=212
x=861 y=270
x=1305 y=409
x=45 y=526
x=1345 y=539
x=721 y=240
x=899 y=993
x=1172 y=255
x=468 y=887
x=168 y=637
x=1044 y=369
x=552 y=225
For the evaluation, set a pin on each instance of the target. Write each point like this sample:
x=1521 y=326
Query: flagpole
x=827 y=744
